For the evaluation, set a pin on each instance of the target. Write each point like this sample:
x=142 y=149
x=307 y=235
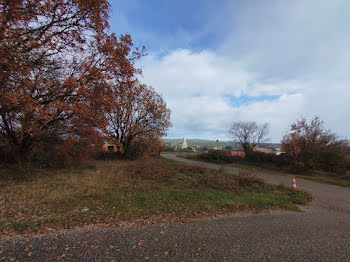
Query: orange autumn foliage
x=58 y=68
x=311 y=147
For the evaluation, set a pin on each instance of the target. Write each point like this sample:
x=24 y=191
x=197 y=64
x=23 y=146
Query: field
x=109 y=192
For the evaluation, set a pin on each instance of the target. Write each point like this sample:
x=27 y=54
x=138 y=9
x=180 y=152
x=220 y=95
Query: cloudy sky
x=215 y=62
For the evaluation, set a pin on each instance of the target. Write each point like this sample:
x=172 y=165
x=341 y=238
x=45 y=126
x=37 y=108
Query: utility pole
x=217 y=150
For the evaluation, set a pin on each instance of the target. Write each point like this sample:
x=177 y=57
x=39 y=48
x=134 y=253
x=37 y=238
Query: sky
x=217 y=62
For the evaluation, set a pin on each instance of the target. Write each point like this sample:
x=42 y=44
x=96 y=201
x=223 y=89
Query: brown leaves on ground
x=147 y=168
x=218 y=180
x=193 y=169
x=154 y=168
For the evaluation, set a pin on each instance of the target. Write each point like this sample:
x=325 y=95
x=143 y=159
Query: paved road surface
x=320 y=233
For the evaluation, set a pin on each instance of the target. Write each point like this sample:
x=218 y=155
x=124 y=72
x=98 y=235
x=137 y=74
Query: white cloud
x=190 y=73
x=196 y=88
x=289 y=38
x=295 y=50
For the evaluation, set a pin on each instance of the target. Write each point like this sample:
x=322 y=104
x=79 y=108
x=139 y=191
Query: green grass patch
x=313 y=176
x=115 y=191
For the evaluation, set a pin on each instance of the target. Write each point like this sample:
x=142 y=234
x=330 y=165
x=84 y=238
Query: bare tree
x=249 y=134
x=138 y=115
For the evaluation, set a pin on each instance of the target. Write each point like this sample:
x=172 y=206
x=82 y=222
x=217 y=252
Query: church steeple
x=184 y=144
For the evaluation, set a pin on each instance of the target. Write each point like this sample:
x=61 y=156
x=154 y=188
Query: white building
x=184 y=144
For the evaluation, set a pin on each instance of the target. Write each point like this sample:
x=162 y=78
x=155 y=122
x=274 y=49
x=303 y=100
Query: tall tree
x=249 y=134
x=56 y=66
x=138 y=114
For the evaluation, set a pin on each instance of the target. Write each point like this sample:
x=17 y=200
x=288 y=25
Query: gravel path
x=320 y=233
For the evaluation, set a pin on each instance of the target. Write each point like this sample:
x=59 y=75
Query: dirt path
x=320 y=233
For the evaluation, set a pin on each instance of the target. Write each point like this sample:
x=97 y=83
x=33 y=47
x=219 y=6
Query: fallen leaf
x=140 y=242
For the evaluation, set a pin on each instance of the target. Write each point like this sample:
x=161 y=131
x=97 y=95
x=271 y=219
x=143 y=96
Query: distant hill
x=222 y=144
x=200 y=142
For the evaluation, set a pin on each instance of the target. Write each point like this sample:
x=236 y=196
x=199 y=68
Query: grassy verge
x=112 y=191
x=312 y=176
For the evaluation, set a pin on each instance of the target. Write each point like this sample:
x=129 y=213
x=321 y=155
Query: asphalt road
x=320 y=233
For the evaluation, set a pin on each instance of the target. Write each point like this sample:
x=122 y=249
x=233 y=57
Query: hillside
x=222 y=144
x=200 y=142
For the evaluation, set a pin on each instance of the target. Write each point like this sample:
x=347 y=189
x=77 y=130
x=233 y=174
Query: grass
x=109 y=192
x=317 y=177
x=312 y=176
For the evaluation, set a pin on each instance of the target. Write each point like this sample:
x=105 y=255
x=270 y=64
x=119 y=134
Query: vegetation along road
x=321 y=232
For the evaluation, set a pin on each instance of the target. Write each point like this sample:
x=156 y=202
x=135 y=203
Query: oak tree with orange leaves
x=59 y=66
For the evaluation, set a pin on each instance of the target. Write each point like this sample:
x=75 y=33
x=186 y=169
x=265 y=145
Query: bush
x=247 y=178
x=5 y=155
x=213 y=155
x=260 y=157
x=107 y=155
x=329 y=162
x=53 y=152
x=143 y=148
x=311 y=147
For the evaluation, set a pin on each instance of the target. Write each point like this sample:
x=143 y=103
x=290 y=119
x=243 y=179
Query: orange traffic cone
x=294 y=184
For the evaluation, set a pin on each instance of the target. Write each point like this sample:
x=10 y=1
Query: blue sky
x=167 y=25
x=215 y=62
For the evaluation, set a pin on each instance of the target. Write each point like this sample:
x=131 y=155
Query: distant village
x=227 y=147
